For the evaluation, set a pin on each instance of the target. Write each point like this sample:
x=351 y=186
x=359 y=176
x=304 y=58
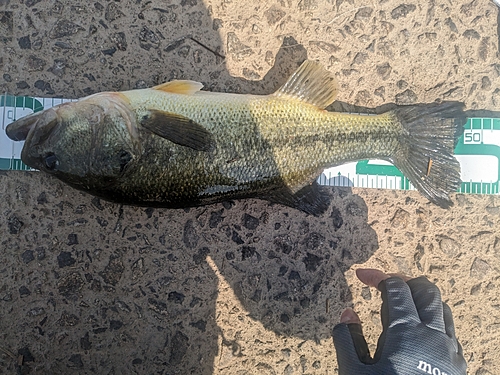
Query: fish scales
x=176 y=146
x=275 y=137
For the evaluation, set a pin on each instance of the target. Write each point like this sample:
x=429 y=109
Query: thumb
x=349 y=341
x=349 y=316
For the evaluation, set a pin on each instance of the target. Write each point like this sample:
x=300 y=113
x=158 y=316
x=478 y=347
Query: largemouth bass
x=175 y=146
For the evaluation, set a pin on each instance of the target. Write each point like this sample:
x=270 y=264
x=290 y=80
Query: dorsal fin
x=180 y=87
x=311 y=83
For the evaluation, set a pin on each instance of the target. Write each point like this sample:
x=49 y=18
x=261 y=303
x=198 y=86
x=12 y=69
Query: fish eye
x=51 y=162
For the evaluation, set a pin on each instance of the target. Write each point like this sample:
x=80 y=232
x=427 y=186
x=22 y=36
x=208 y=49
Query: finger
x=397 y=308
x=349 y=317
x=350 y=345
x=427 y=299
x=371 y=277
x=449 y=326
x=397 y=303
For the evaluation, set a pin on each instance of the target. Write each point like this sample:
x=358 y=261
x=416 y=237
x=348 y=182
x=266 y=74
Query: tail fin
x=426 y=153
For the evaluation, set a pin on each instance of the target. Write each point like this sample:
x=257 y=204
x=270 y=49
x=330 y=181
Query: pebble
x=25 y=42
x=28 y=256
x=64 y=28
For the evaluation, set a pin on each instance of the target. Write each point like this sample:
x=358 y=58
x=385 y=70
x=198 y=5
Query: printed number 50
x=472 y=137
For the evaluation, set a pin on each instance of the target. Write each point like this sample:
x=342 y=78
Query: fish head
x=88 y=144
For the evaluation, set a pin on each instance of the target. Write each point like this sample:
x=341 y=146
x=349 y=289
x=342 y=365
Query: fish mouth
x=43 y=121
x=34 y=130
x=19 y=129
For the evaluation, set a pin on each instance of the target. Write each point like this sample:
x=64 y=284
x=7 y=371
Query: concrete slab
x=241 y=287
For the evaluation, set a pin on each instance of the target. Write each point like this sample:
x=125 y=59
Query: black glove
x=418 y=335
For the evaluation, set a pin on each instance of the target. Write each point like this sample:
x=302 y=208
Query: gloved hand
x=418 y=335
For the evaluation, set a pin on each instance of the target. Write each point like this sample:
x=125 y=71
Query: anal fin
x=311 y=199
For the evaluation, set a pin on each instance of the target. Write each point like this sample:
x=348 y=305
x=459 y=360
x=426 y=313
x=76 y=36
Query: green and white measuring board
x=478 y=151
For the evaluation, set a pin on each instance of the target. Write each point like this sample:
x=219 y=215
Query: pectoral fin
x=178 y=129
